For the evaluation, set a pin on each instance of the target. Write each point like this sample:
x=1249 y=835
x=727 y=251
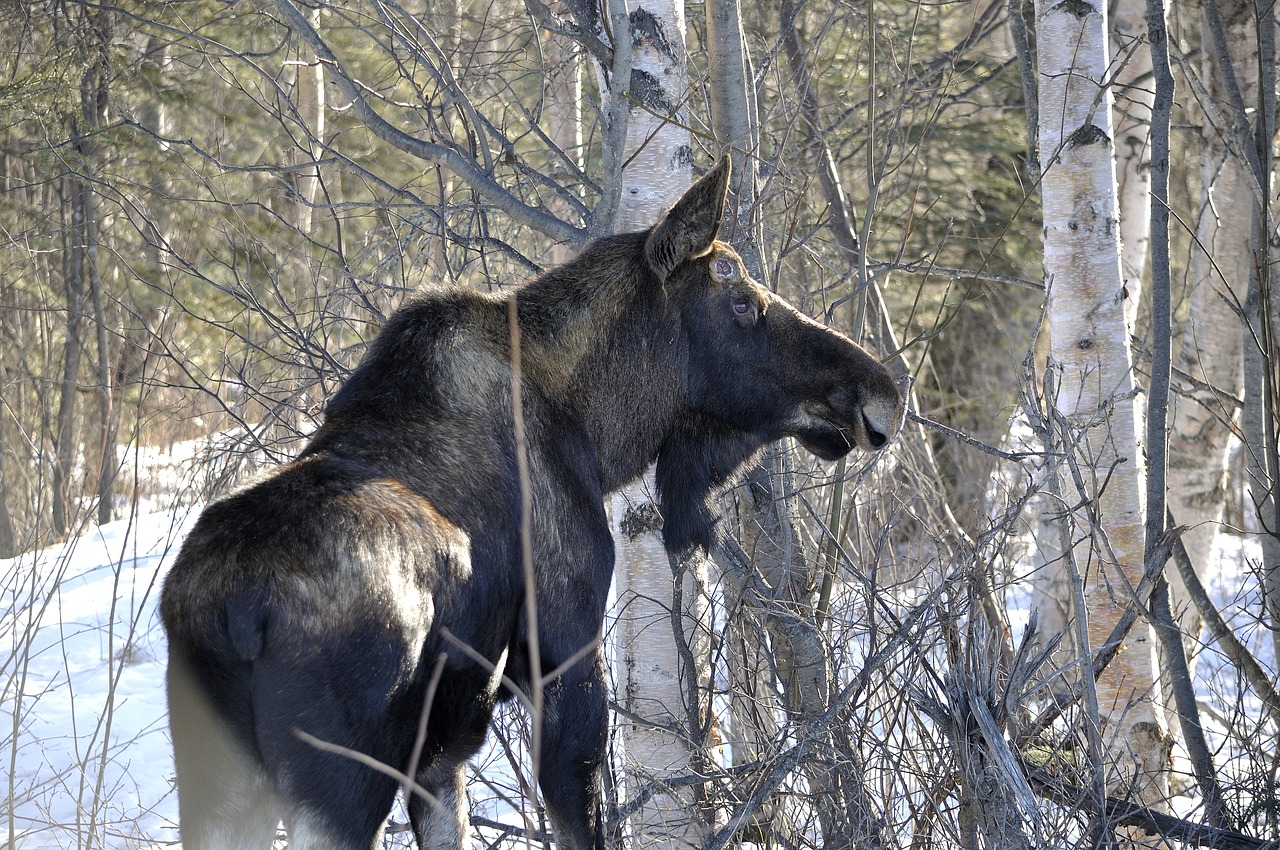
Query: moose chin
x=310 y=614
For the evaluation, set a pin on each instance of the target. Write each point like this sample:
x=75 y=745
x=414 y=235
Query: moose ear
x=689 y=227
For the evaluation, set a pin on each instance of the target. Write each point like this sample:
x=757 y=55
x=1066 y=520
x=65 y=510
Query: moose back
x=311 y=614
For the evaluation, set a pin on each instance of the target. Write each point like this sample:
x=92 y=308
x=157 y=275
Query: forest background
x=208 y=209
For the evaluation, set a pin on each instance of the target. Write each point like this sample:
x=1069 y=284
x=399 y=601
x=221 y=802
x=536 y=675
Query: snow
x=83 y=702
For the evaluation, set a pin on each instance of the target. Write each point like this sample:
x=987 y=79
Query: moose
x=315 y=615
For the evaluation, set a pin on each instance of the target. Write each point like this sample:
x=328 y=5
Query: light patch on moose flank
x=471 y=374
x=399 y=554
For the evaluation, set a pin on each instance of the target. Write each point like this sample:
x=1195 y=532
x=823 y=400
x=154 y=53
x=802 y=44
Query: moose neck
x=599 y=337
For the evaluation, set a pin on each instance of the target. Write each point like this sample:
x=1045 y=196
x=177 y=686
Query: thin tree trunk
x=8 y=533
x=1133 y=99
x=771 y=531
x=95 y=89
x=64 y=442
x=1176 y=672
x=1090 y=348
x=564 y=116
x=1259 y=424
x=1262 y=312
x=103 y=366
x=306 y=81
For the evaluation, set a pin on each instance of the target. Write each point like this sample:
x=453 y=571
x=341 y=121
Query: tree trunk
x=663 y=633
x=1262 y=463
x=564 y=117
x=104 y=367
x=9 y=545
x=657 y=156
x=1089 y=351
x=1262 y=313
x=1051 y=587
x=306 y=81
x=95 y=90
x=1133 y=99
x=770 y=529
x=65 y=442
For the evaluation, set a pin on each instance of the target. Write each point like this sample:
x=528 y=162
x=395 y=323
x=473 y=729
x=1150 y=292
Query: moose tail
x=247 y=622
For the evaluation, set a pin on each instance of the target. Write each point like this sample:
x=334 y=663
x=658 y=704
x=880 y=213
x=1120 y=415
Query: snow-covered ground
x=85 y=733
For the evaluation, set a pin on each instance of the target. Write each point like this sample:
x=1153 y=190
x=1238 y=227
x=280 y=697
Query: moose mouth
x=831 y=436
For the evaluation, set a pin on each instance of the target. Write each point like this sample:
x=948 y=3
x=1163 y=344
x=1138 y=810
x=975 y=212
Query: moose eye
x=741 y=306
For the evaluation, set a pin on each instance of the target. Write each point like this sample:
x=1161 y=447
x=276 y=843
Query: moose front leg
x=574 y=732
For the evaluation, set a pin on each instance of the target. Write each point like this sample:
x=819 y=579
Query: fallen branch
x=1125 y=813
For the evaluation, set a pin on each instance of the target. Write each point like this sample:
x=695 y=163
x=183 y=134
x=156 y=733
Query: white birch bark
x=1089 y=350
x=1134 y=95
x=657 y=157
x=654 y=649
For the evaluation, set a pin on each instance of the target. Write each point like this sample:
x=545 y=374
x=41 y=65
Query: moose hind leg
x=441 y=822
x=335 y=803
x=308 y=831
x=225 y=800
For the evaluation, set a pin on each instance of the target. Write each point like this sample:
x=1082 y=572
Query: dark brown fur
x=317 y=599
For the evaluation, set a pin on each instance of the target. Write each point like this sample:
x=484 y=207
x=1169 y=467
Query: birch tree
x=661 y=630
x=1101 y=486
x=1131 y=114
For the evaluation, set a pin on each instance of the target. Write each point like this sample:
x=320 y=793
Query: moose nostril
x=878 y=439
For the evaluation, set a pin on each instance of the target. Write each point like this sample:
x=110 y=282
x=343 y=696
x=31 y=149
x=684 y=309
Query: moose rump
x=318 y=617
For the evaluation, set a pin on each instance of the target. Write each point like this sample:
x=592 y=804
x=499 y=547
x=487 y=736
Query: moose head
x=757 y=370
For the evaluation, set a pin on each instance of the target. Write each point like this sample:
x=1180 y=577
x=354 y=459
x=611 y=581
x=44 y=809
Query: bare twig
x=972 y=441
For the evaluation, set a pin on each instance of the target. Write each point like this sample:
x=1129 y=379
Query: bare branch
x=483 y=184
